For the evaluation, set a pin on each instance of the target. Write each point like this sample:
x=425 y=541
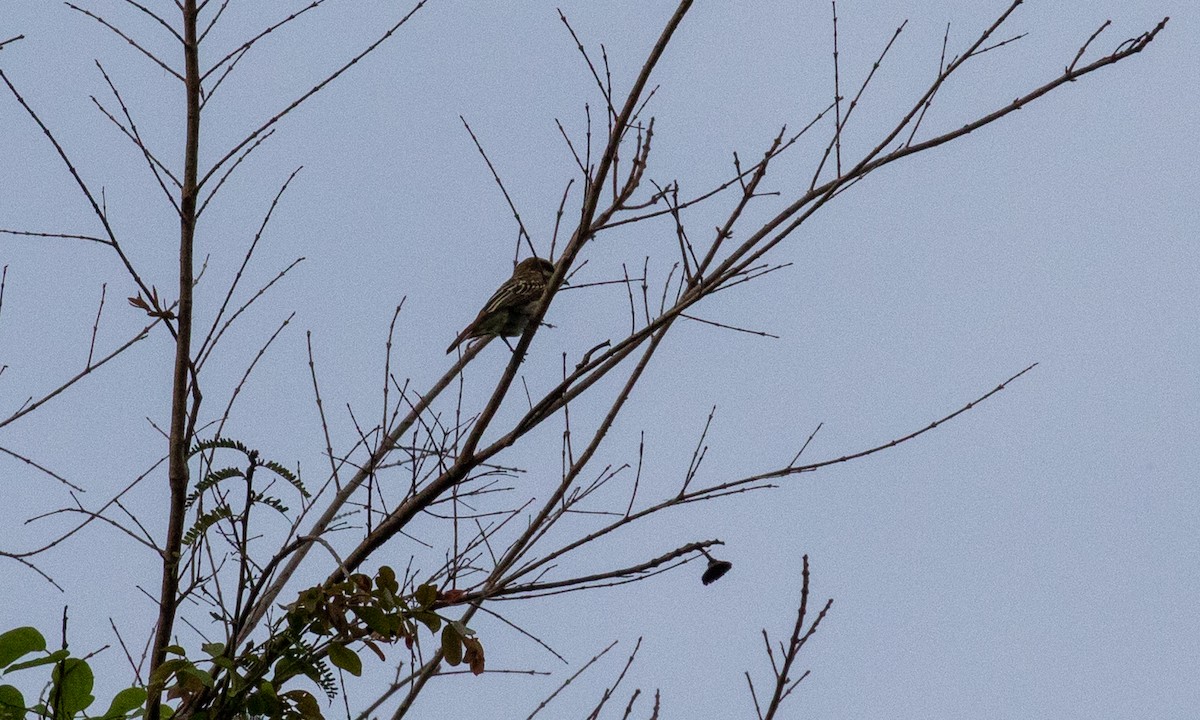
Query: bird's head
x=535 y=265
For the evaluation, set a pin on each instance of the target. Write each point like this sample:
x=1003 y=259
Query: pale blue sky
x=1038 y=557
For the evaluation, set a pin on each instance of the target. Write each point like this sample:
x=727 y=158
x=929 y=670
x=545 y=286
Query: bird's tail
x=466 y=333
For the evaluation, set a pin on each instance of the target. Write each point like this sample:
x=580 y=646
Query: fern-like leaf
x=213 y=444
x=211 y=480
x=288 y=475
x=205 y=521
x=272 y=502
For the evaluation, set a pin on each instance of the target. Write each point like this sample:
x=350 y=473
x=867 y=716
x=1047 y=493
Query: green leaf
x=452 y=648
x=385 y=579
x=374 y=619
x=426 y=595
x=19 y=642
x=267 y=689
x=213 y=649
x=462 y=630
x=12 y=703
x=346 y=659
x=305 y=704
x=433 y=621
x=75 y=680
x=168 y=668
x=262 y=704
x=47 y=660
x=286 y=668
x=125 y=702
x=202 y=676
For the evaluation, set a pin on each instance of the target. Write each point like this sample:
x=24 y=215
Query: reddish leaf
x=450 y=597
x=474 y=655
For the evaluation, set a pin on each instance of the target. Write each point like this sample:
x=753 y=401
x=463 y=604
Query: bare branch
x=241 y=49
x=723 y=326
x=511 y=206
x=42 y=468
x=784 y=685
x=315 y=89
x=95 y=325
x=209 y=338
x=571 y=679
x=237 y=313
x=127 y=39
x=160 y=21
x=83 y=187
x=1083 y=48
x=608 y=692
x=229 y=171
x=212 y=23
x=31 y=406
x=606 y=92
x=837 y=95
x=65 y=236
x=136 y=137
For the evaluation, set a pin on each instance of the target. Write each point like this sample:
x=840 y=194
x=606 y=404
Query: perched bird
x=508 y=312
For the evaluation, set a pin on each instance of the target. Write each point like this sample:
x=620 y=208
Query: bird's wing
x=513 y=293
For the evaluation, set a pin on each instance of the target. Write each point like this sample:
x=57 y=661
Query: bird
x=508 y=311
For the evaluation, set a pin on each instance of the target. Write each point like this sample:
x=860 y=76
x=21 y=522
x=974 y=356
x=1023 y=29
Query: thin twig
x=33 y=405
x=95 y=325
x=612 y=112
x=837 y=94
x=1083 y=48
x=313 y=91
x=64 y=236
x=237 y=313
x=101 y=214
x=127 y=39
x=241 y=49
x=571 y=679
x=213 y=23
x=229 y=170
x=759 y=333
x=44 y=469
x=157 y=18
x=209 y=338
x=136 y=137
x=508 y=198
x=608 y=692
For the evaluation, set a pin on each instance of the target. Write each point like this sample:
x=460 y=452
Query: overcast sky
x=1038 y=557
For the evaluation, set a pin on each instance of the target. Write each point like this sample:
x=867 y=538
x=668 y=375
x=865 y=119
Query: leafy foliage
x=67 y=694
x=373 y=610
x=214 y=479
